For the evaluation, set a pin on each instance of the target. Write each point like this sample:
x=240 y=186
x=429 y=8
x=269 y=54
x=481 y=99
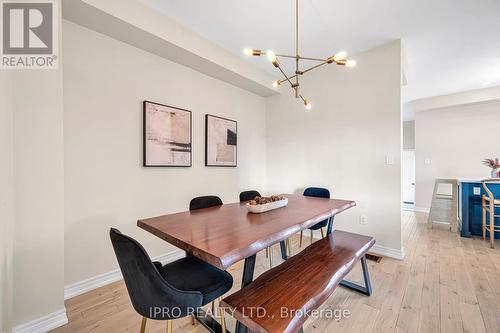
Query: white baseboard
x=43 y=324
x=388 y=252
x=421 y=210
x=377 y=249
x=101 y=280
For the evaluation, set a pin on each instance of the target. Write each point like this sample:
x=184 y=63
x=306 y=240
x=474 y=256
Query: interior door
x=409 y=176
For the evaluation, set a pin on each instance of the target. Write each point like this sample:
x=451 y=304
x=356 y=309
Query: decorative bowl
x=267 y=207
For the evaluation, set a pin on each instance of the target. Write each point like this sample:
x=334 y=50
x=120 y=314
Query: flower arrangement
x=494 y=164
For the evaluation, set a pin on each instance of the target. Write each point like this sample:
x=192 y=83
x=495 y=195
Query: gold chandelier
x=339 y=58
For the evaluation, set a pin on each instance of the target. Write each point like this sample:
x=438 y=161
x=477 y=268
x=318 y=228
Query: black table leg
x=329 y=225
x=209 y=322
x=283 y=250
x=248 y=270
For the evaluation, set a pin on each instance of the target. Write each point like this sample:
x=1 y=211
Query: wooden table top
x=224 y=235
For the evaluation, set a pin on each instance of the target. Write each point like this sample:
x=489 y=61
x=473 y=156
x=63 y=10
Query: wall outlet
x=427 y=161
x=389 y=159
x=477 y=191
x=363 y=219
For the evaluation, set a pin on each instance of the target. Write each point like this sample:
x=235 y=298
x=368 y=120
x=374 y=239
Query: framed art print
x=167 y=137
x=220 y=141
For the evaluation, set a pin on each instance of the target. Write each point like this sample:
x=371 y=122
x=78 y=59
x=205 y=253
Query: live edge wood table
x=224 y=235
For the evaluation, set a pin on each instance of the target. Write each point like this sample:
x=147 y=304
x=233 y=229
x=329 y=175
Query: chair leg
x=222 y=319
x=267 y=252
x=288 y=247
x=270 y=257
x=213 y=308
x=300 y=242
x=143 y=324
x=169 y=326
x=322 y=233
x=483 y=206
x=193 y=320
x=492 y=224
x=312 y=236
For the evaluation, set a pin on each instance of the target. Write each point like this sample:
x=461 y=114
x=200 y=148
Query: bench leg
x=283 y=250
x=367 y=289
x=248 y=270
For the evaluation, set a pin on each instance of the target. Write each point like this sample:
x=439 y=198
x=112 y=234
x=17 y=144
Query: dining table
x=226 y=234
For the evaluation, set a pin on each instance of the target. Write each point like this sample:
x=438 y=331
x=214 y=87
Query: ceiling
x=450 y=45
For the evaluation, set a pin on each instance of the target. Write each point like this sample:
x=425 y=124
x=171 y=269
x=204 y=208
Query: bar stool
x=488 y=205
x=444 y=204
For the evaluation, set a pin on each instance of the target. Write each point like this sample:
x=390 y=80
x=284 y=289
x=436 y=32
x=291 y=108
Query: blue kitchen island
x=469 y=207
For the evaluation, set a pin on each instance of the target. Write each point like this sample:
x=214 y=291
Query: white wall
x=455 y=140
x=6 y=199
x=39 y=194
x=409 y=134
x=342 y=142
x=105 y=82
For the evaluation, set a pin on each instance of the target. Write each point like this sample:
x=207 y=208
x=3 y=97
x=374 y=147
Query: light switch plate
x=427 y=161
x=477 y=191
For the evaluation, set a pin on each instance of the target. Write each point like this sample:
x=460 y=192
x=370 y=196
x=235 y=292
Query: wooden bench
x=301 y=284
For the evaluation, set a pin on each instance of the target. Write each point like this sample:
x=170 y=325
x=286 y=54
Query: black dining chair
x=167 y=292
x=204 y=202
x=318 y=192
x=249 y=195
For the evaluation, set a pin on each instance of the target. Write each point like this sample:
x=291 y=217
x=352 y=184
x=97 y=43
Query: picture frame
x=167 y=136
x=221 y=143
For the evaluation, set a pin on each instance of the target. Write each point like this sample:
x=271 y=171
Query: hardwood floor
x=445 y=284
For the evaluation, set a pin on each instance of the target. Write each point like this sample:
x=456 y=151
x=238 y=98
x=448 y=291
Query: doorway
x=408 y=178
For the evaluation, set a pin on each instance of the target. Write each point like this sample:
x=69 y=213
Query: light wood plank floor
x=445 y=284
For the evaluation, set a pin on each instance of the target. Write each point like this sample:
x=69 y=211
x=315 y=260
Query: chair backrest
x=317 y=192
x=147 y=289
x=204 y=202
x=488 y=191
x=248 y=195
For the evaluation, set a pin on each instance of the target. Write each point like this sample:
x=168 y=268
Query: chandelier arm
x=313 y=67
x=300 y=57
x=286 y=76
x=303 y=99
x=314 y=59
x=287 y=79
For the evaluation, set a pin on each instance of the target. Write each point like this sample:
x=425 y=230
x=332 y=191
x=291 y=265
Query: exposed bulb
x=350 y=63
x=276 y=84
x=252 y=52
x=340 y=56
x=271 y=56
x=307 y=105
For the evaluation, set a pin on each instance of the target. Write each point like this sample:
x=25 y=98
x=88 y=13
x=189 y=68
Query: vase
x=495 y=173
